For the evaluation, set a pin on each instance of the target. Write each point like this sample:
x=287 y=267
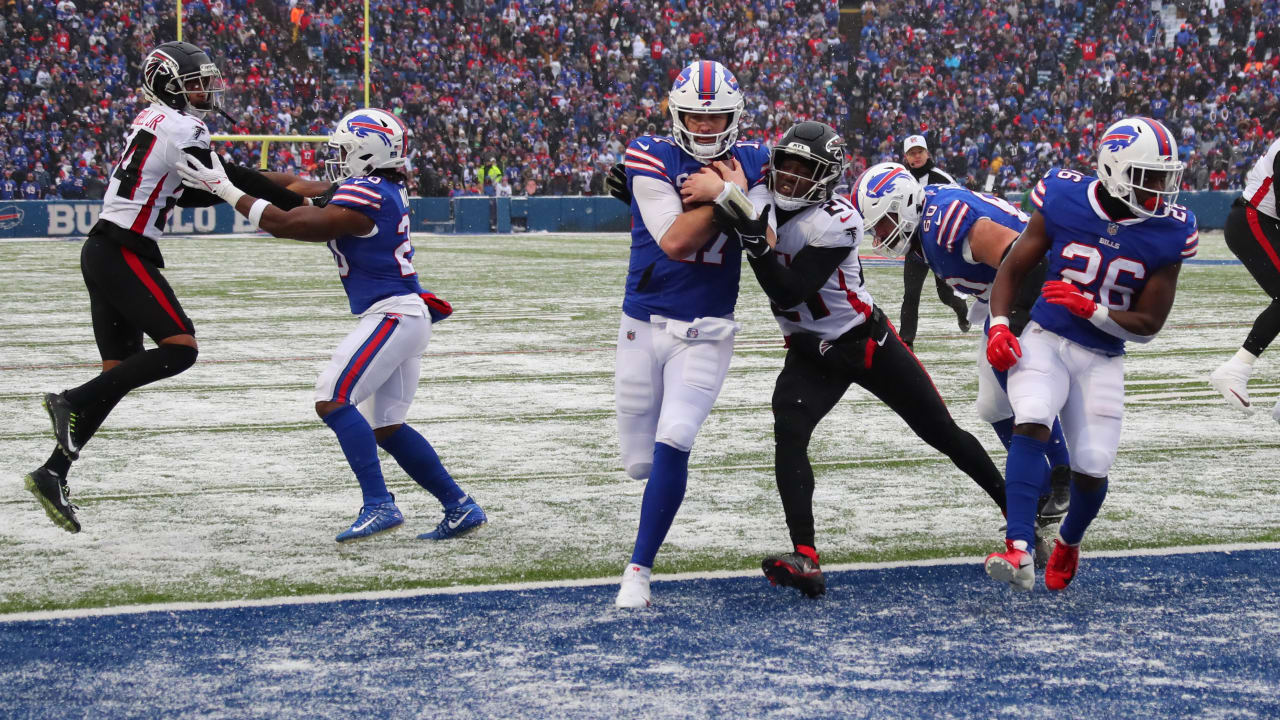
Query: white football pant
x=376 y=367
x=1081 y=387
x=667 y=377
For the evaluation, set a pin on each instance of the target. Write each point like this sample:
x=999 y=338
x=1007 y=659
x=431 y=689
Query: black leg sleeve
x=1250 y=235
x=804 y=393
x=914 y=271
x=897 y=378
x=950 y=299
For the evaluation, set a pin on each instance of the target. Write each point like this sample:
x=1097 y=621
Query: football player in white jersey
x=121 y=260
x=1115 y=246
x=375 y=369
x=1253 y=234
x=835 y=335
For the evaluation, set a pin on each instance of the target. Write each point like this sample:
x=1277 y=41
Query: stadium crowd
x=540 y=96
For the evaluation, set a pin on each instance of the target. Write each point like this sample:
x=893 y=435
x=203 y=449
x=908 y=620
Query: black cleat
x=52 y=492
x=795 y=570
x=1059 y=498
x=63 y=418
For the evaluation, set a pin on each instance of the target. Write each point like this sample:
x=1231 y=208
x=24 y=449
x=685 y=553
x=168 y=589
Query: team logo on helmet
x=882 y=184
x=1119 y=138
x=362 y=126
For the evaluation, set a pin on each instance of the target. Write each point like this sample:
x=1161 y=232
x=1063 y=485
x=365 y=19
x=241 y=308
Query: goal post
x=266 y=141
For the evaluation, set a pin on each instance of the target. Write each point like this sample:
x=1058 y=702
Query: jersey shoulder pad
x=834 y=223
x=1188 y=231
x=189 y=131
x=1056 y=185
x=754 y=157
x=651 y=156
x=358 y=194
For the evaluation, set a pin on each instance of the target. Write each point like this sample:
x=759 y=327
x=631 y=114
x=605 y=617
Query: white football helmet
x=364 y=141
x=705 y=87
x=888 y=190
x=1139 y=154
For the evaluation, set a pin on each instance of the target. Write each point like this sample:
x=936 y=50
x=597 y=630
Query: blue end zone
x=1191 y=635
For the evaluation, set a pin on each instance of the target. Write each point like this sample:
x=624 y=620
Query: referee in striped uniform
x=1253 y=234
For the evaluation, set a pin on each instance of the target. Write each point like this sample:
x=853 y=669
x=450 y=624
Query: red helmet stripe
x=896 y=172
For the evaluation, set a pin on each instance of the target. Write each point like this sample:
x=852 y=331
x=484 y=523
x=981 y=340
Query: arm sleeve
x=809 y=271
x=191 y=197
x=659 y=204
x=252 y=182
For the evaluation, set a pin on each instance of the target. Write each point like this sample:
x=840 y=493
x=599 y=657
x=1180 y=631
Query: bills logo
x=691 y=333
x=1119 y=138
x=882 y=183
x=363 y=127
x=10 y=217
x=631 y=334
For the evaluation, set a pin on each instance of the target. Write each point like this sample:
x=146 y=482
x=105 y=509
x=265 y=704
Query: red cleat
x=1013 y=566
x=1062 y=565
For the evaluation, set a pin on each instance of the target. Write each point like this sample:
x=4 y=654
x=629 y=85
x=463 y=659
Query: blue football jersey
x=949 y=213
x=1109 y=260
x=705 y=284
x=379 y=265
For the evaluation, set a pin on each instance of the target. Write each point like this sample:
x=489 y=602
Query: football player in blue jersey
x=366 y=226
x=1115 y=245
x=676 y=335
x=963 y=235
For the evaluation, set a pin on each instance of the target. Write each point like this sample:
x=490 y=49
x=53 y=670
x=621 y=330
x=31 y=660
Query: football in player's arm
x=365 y=223
x=1115 y=246
x=835 y=335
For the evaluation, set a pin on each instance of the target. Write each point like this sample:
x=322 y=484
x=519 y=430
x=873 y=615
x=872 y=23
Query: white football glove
x=209 y=179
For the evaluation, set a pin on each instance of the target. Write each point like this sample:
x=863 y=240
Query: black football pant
x=914 y=271
x=816 y=375
x=1255 y=238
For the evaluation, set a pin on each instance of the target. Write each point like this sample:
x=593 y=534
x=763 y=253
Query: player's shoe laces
x=64 y=420
x=1013 y=566
x=54 y=495
x=1232 y=380
x=795 y=570
x=373 y=519
x=634 y=591
x=1059 y=498
x=461 y=520
x=1062 y=565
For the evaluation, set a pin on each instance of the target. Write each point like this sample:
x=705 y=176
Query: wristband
x=255 y=212
x=231 y=195
x=732 y=197
x=1000 y=320
x=1100 y=316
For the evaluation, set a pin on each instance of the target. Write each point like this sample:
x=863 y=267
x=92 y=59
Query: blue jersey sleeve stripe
x=647 y=169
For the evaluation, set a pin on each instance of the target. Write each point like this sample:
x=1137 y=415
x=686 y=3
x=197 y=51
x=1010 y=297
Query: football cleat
x=1044 y=548
x=634 y=591
x=1232 y=380
x=1062 y=565
x=54 y=496
x=373 y=519
x=1014 y=566
x=1058 y=500
x=64 y=419
x=795 y=570
x=466 y=518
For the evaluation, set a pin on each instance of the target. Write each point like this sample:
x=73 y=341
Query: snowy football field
x=221 y=484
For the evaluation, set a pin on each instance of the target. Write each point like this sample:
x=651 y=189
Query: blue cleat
x=459 y=521
x=373 y=519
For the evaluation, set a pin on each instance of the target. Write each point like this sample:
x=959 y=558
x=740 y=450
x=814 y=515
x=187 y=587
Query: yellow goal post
x=266 y=141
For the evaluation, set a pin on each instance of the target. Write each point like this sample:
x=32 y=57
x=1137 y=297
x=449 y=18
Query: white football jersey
x=1259 y=186
x=145 y=183
x=843 y=301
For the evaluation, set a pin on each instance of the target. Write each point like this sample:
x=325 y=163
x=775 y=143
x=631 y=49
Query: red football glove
x=1070 y=297
x=437 y=306
x=1003 y=349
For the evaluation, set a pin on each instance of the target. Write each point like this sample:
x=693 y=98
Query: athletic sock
x=1084 y=508
x=358 y=444
x=1057 y=451
x=58 y=463
x=1004 y=431
x=662 y=497
x=1025 y=475
x=413 y=453
x=94 y=400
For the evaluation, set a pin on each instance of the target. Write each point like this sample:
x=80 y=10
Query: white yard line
x=44 y=615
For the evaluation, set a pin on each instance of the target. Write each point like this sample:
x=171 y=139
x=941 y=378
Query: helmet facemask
x=904 y=217
x=1138 y=165
x=791 y=190
x=1148 y=189
x=165 y=83
x=719 y=143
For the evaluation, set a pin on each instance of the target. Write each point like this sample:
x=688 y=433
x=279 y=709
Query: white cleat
x=634 y=592
x=1232 y=380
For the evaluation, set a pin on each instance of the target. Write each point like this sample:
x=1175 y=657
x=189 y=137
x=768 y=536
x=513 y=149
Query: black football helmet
x=822 y=152
x=174 y=71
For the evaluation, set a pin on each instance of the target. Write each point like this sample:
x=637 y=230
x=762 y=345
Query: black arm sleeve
x=191 y=197
x=255 y=184
x=790 y=286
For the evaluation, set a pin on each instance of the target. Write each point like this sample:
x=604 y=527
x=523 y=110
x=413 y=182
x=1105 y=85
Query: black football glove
x=752 y=232
x=616 y=183
x=322 y=200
